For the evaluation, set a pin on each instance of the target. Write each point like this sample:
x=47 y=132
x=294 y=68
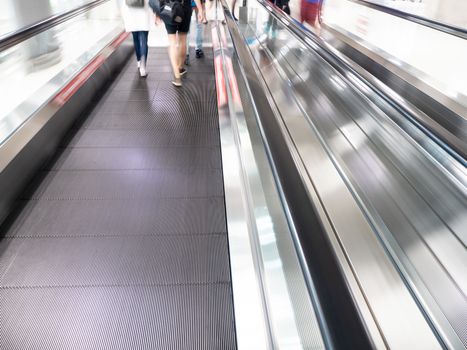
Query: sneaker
x=187 y=60
x=142 y=69
x=199 y=53
x=182 y=72
x=177 y=82
x=138 y=64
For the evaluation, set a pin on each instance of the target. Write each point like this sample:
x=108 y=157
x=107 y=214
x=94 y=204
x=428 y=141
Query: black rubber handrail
x=443 y=27
x=13 y=38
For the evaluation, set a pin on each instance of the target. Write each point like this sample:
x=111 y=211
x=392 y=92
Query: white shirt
x=137 y=18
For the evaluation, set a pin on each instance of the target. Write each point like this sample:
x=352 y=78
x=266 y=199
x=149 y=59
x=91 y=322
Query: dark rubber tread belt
x=120 y=242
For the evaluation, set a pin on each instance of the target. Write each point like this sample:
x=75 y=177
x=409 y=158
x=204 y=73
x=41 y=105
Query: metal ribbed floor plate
x=138 y=158
x=165 y=216
x=129 y=95
x=120 y=242
x=128 y=184
x=122 y=260
x=118 y=318
x=192 y=91
x=166 y=115
x=189 y=136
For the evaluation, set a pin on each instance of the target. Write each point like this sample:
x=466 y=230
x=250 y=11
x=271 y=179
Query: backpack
x=135 y=3
x=170 y=11
x=156 y=6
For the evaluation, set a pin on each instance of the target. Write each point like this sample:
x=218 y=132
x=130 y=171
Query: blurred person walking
x=42 y=50
x=177 y=33
x=310 y=12
x=199 y=35
x=203 y=5
x=282 y=4
x=137 y=18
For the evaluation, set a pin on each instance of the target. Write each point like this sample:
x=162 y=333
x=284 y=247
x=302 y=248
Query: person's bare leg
x=204 y=20
x=174 y=58
x=182 y=50
x=173 y=55
x=208 y=7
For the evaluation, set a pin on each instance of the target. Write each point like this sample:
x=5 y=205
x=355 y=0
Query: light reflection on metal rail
x=281 y=64
x=266 y=232
x=449 y=158
x=443 y=27
x=11 y=39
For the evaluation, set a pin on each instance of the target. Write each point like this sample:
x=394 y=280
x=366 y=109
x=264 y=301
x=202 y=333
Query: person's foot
x=199 y=53
x=138 y=64
x=177 y=82
x=187 y=60
x=142 y=72
x=182 y=72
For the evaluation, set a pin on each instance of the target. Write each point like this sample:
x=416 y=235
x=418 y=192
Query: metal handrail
x=439 y=328
x=443 y=27
x=13 y=38
x=343 y=65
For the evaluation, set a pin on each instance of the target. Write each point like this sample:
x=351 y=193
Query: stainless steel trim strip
x=252 y=328
x=11 y=39
x=290 y=309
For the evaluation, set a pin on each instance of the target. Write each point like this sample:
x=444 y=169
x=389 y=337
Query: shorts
x=183 y=27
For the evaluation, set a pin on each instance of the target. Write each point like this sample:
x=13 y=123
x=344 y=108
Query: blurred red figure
x=310 y=12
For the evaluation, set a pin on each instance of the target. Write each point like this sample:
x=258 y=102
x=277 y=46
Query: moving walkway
x=275 y=201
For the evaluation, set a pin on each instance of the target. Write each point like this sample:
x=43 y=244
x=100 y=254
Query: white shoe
x=177 y=82
x=142 y=70
x=138 y=64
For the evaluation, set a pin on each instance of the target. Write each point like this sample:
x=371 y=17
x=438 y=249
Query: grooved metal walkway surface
x=121 y=243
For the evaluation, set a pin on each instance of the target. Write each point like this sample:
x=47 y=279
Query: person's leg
x=174 y=58
x=143 y=38
x=303 y=11
x=199 y=35
x=136 y=45
x=203 y=5
x=182 y=37
x=183 y=29
x=269 y=24
x=187 y=58
x=143 y=49
x=315 y=15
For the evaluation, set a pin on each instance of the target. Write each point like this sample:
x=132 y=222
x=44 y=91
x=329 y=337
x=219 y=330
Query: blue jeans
x=140 y=40
x=199 y=35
